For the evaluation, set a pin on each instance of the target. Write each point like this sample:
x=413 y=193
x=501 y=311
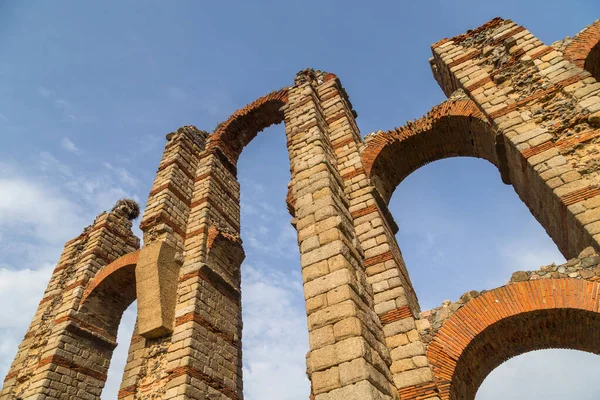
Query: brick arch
x=454 y=128
x=109 y=293
x=243 y=125
x=584 y=50
x=509 y=321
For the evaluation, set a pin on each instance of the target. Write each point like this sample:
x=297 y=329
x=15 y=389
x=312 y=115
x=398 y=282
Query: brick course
x=530 y=109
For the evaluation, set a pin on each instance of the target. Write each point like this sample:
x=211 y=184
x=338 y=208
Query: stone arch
x=584 y=49
x=243 y=125
x=455 y=128
x=509 y=321
x=108 y=295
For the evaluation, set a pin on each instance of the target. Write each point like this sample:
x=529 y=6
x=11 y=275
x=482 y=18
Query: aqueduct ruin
x=530 y=109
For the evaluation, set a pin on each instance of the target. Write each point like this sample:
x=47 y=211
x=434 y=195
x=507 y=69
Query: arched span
x=242 y=126
x=584 y=49
x=109 y=294
x=509 y=321
x=452 y=129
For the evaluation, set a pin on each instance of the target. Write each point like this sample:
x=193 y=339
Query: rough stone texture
x=531 y=110
x=67 y=348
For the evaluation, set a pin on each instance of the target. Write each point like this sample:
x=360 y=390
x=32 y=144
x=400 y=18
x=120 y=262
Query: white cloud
x=34 y=208
x=547 y=374
x=69 y=146
x=40 y=209
x=26 y=285
x=124 y=176
x=275 y=337
x=3 y=117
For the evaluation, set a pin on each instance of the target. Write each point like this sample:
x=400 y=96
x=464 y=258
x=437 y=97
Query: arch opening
x=455 y=128
x=592 y=61
x=274 y=338
x=512 y=320
x=551 y=374
x=107 y=301
x=461 y=229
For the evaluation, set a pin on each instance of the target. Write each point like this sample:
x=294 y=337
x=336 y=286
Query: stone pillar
x=64 y=353
x=347 y=359
x=394 y=300
x=159 y=265
x=544 y=107
x=205 y=360
x=164 y=225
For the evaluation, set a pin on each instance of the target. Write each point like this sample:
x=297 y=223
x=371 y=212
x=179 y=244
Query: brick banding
x=580 y=195
x=364 y=211
x=506 y=35
x=341 y=143
x=199 y=319
x=478 y=84
x=395 y=315
x=63 y=362
x=127 y=391
x=537 y=95
x=453 y=128
x=532 y=151
x=216 y=178
x=418 y=392
x=571 y=141
x=221 y=285
x=127 y=260
x=544 y=313
x=469 y=56
x=123 y=235
x=243 y=125
x=179 y=163
x=352 y=174
x=100 y=337
x=170 y=186
x=163 y=218
x=368 y=262
x=220 y=155
x=541 y=53
x=214 y=383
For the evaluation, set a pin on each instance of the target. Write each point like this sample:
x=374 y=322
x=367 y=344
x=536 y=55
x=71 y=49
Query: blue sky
x=91 y=88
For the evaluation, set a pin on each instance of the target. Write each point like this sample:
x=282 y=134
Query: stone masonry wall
x=530 y=109
x=63 y=353
x=544 y=107
x=539 y=309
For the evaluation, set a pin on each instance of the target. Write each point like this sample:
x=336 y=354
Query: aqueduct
x=530 y=109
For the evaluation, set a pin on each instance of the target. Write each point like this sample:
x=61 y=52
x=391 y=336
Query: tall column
x=347 y=359
x=63 y=353
x=158 y=268
x=205 y=360
x=394 y=301
x=546 y=109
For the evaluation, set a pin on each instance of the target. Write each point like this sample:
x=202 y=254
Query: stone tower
x=530 y=109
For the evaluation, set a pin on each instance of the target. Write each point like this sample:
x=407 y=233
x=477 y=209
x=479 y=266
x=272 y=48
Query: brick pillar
x=159 y=264
x=394 y=298
x=543 y=106
x=347 y=359
x=206 y=361
x=64 y=353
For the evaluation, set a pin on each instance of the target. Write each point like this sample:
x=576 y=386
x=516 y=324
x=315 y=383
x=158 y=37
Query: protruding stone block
x=156 y=275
